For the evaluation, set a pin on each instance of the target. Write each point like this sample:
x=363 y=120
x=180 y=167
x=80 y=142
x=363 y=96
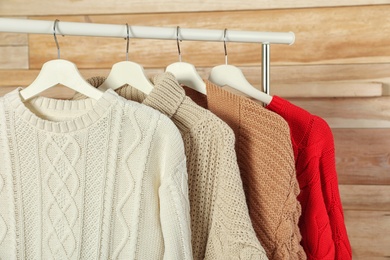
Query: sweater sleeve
x=231 y=234
x=173 y=193
x=331 y=194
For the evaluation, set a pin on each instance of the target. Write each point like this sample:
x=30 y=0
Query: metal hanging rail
x=148 y=32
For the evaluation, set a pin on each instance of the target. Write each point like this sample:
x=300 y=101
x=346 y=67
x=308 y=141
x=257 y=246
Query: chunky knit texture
x=220 y=223
x=322 y=223
x=91 y=179
x=266 y=162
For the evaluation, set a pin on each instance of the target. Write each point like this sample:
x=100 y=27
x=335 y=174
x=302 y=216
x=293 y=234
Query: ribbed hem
x=96 y=109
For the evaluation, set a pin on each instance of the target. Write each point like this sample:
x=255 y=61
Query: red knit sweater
x=324 y=235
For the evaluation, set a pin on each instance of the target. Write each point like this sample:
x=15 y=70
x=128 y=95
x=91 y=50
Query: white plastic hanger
x=127 y=72
x=229 y=75
x=186 y=73
x=56 y=72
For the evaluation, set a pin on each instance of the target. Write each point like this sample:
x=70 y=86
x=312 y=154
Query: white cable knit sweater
x=91 y=179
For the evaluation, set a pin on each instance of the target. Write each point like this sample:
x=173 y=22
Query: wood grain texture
x=365 y=197
x=323 y=36
x=368 y=232
x=328 y=89
x=363 y=156
x=318 y=74
x=13 y=39
x=23 y=7
x=14 y=57
x=349 y=112
x=371 y=72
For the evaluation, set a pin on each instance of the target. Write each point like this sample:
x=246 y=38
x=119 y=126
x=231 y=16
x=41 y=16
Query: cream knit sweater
x=91 y=179
x=220 y=223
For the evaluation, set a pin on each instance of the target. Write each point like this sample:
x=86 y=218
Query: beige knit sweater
x=220 y=224
x=266 y=162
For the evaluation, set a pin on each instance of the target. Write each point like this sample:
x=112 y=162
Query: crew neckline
x=95 y=110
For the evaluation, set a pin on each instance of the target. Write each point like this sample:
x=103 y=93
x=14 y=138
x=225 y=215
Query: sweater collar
x=166 y=96
x=95 y=109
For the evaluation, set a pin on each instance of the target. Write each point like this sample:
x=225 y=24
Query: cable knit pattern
x=266 y=162
x=3 y=224
x=220 y=224
x=8 y=248
x=91 y=179
x=61 y=155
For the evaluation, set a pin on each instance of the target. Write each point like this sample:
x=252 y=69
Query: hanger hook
x=127 y=44
x=177 y=41
x=224 y=46
x=55 y=38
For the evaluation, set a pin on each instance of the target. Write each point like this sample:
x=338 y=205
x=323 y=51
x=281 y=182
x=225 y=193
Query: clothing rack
x=148 y=32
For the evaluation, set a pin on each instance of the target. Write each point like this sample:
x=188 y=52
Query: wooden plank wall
x=338 y=68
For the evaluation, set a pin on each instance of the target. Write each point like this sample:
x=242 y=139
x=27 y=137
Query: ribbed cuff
x=166 y=96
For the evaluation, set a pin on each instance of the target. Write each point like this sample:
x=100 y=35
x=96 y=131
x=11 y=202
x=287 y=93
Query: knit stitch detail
x=3 y=224
x=114 y=138
x=131 y=145
x=61 y=154
x=180 y=200
x=7 y=226
x=9 y=250
x=15 y=172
